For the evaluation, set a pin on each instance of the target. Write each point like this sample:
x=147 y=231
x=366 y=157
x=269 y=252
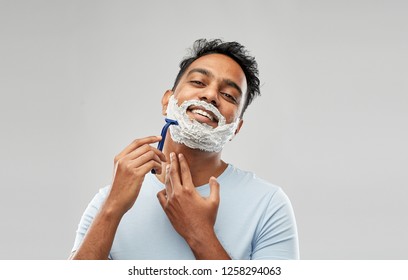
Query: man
x=196 y=205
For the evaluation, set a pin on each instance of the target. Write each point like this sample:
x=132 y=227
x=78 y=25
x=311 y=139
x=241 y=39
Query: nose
x=209 y=95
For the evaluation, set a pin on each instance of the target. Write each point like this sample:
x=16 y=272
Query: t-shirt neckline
x=220 y=178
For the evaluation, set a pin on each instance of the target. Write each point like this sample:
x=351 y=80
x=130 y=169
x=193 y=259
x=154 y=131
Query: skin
x=216 y=79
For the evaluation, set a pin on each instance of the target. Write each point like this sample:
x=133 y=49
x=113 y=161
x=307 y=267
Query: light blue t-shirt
x=255 y=220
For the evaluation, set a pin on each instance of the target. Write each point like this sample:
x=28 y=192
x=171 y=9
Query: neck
x=202 y=164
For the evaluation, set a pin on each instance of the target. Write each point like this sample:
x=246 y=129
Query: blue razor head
x=164 y=132
x=163 y=135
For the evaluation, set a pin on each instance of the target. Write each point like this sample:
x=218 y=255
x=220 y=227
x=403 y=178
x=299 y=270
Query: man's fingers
x=161 y=195
x=167 y=183
x=174 y=171
x=136 y=144
x=145 y=167
x=146 y=140
x=186 y=179
x=214 y=190
x=161 y=155
x=144 y=149
x=142 y=155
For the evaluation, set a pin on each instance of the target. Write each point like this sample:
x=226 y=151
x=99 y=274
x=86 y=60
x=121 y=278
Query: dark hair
x=235 y=51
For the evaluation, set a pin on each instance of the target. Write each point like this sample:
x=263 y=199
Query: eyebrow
x=211 y=75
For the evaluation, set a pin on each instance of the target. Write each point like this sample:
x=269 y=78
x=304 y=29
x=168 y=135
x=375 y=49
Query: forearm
x=98 y=240
x=208 y=248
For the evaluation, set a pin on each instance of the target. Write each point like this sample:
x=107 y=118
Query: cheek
x=183 y=91
x=231 y=114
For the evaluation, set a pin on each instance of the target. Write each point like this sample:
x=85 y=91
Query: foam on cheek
x=197 y=135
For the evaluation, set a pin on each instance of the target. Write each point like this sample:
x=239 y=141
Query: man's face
x=216 y=79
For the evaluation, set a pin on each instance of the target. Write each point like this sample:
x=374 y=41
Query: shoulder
x=248 y=187
x=100 y=197
x=247 y=180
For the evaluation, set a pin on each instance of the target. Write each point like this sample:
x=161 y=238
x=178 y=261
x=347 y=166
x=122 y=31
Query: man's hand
x=191 y=215
x=131 y=166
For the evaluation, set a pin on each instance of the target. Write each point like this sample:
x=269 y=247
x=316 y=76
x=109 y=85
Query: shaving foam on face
x=198 y=135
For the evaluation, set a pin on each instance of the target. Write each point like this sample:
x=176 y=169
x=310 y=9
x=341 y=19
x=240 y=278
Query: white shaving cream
x=198 y=135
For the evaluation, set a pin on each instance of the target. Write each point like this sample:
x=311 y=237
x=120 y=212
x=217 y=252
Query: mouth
x=202 y=115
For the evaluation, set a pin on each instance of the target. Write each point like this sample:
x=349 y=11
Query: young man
x=196 y=205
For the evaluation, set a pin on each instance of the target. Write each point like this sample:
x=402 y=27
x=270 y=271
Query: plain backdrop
x=79 y=80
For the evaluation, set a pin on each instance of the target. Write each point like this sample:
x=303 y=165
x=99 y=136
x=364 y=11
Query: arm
x=191 y=215
x=277 y=237
x=99 y=237
x=131 y=166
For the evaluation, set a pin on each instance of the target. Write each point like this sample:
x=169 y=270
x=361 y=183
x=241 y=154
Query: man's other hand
x=191 y=215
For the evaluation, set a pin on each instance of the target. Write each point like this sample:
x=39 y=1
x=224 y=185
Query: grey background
x=79 y=80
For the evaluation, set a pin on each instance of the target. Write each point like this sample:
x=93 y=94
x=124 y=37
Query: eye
x=229 y=97
x=196 y=82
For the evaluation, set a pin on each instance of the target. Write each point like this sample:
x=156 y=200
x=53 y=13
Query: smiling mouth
x=207 y=114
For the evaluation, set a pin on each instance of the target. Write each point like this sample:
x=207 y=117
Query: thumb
x=161 y=195
x=214 y=190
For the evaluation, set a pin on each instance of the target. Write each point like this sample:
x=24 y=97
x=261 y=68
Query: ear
x=241 y=122
x=165 y=101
